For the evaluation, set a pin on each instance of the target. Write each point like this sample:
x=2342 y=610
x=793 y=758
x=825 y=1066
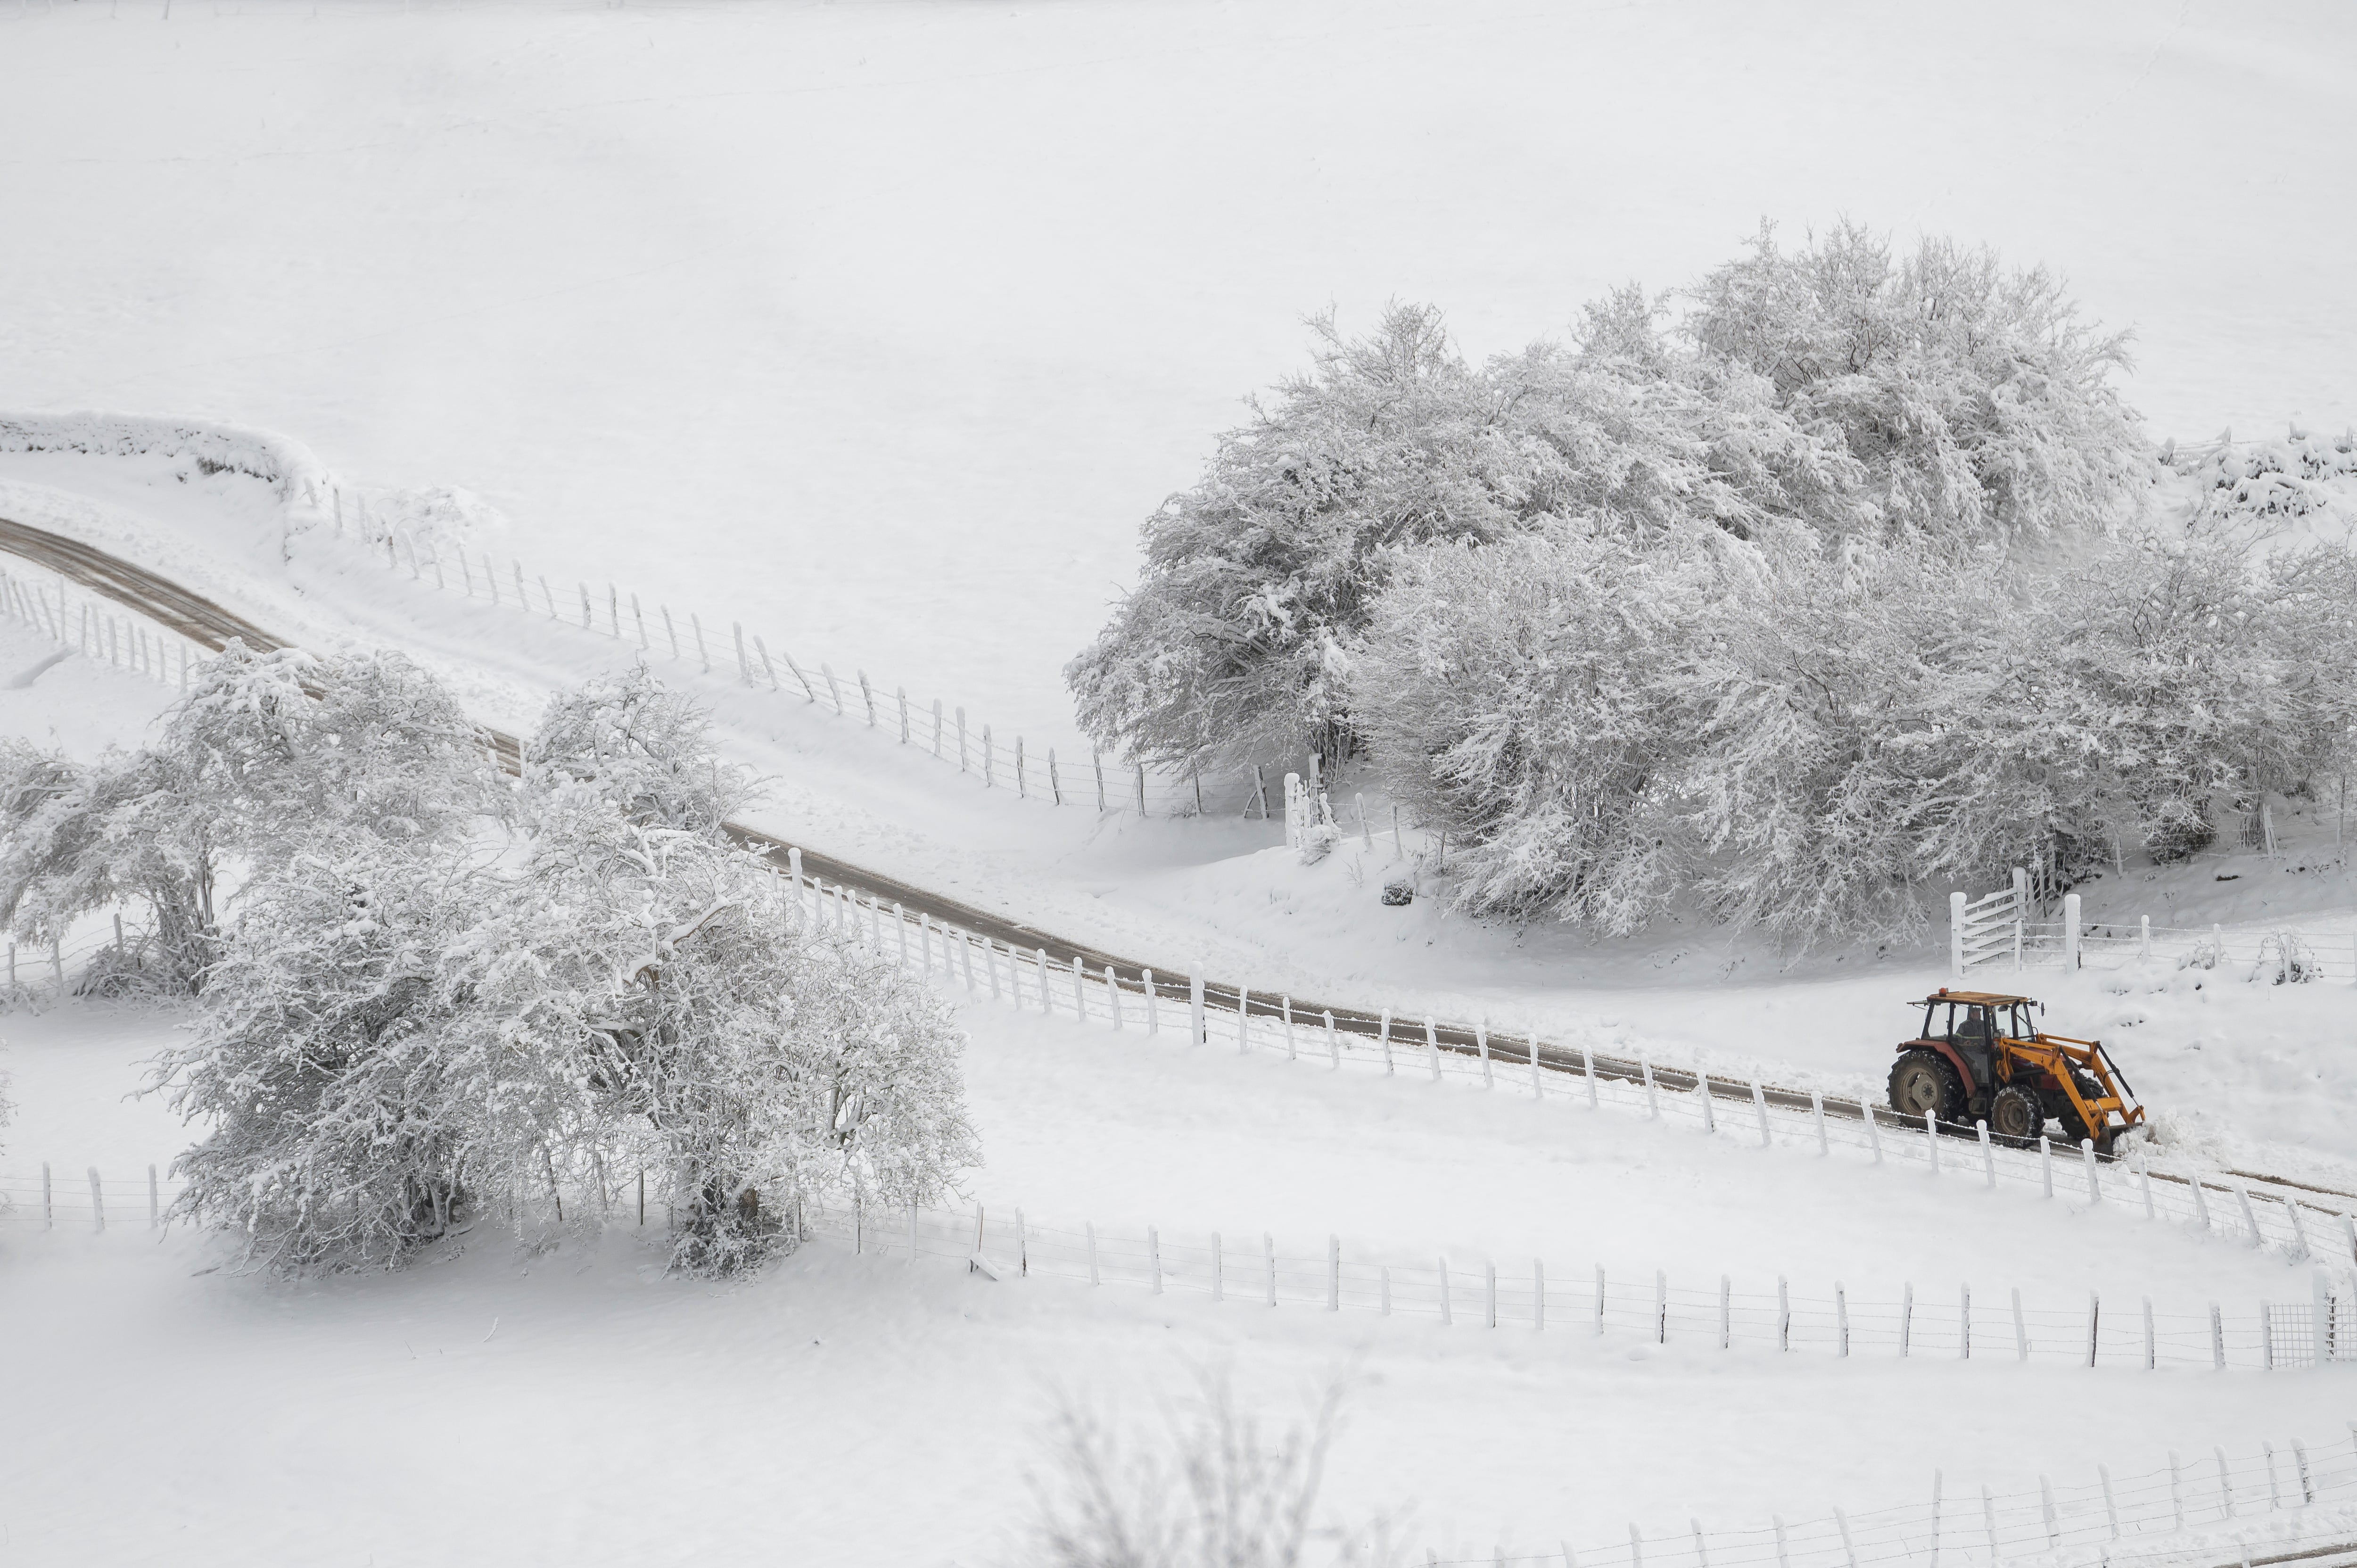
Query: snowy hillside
x=819 y=363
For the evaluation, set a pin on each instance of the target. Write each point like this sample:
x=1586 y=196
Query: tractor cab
x=1980 y=1057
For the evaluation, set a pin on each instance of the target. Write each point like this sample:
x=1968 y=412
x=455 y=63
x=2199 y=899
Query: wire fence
x=2304 y=1225
x=2248 y=1509
x=2008 y=929
x=2244 y=1507
x=94 y=626
x=1524 y=1294
x=1072 y=775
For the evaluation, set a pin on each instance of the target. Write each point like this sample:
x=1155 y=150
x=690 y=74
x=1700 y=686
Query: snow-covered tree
x=1534 y=699
x=744 y=1060
x=409 y=1033
x=1979 y=402
x=281 y=747
x=265 y=754
x=641 y=745
x=1239 y=641
x=348 y=1119
x=1236 y=642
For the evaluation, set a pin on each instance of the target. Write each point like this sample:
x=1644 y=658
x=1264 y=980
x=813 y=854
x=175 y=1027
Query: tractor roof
x=1977 y=998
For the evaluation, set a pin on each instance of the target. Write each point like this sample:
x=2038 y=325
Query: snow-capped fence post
x=989 y=760
x=1702 y=1091
x=1482 y=1043
x=1489 y=1292
x=1383 y=1033
x=1600 y=1298
x=1268 y=1257
x=1988 y=1155
x=2020 y=1329
x=1197 y=1032
x=2087 y=1158
x=1080 y=988
x=901 y=694
x=937 y=729
x=1783 y=1314
x=1285 y=1008
x=1873 y=1131
x=1661 y=1307
x=1154 y=1256
x=2200 y=1203
x=1652 y=1098
x=2046 y=1163
x=702 y=656
x=1817 y=1107
x=1334 y=1276
x=1931 y=1135
x=744 y=665
x=2176 y=1491
x=900 y=925
x=1243 y=1019
x=1152 y=1012
x=1447 y=1307
x=1055 y=780
x=2217 y=1339
x=1841 y=1319
x=154 y=1201
x=1096 y=764
x=1538 y=1086
x=1022 y=784
x=1432 y=1047
x=1141 y=789
x=2094 y=1320
x=1956 y=936
x=48 y=1203
x=1333 y=1045
x=1906 y=1316
x=1725 y=1312
x=97 y=1202
x=1759 y=1105
x=2151 y=1344
x=2071 y=933
x=867 y=696
x=961 y=723
x=1587 y=1065
x=1538 y=1296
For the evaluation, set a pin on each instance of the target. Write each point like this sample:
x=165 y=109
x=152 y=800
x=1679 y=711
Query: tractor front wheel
x=2015 y=1118
x=1922 y=1082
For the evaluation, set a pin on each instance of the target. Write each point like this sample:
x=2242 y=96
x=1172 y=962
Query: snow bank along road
x=206 y=623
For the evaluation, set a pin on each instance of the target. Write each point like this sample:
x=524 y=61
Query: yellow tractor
x=1981 y=1058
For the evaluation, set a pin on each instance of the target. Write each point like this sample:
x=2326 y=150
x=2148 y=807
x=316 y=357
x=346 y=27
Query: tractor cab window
x=1977 y=1026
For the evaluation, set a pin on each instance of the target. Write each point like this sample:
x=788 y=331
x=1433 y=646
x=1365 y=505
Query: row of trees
x=1813 y=593
x=437 y=995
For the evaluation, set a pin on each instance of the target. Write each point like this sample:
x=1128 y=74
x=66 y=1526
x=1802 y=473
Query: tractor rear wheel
x=2015 y=1118
x=1922 y=1081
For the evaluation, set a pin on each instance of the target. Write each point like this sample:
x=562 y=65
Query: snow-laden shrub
x=2279 y=481
x=264 y=754
x=1977 y=401
x=1215 y=1489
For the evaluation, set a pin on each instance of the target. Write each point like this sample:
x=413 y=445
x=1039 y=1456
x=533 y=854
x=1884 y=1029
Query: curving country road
x=206 y=623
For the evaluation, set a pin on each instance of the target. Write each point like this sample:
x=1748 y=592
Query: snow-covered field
x=879 y=327
x=913 y=1400
x=891 y=322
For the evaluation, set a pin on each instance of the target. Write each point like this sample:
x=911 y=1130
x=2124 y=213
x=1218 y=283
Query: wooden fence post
x=1197 y=1032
